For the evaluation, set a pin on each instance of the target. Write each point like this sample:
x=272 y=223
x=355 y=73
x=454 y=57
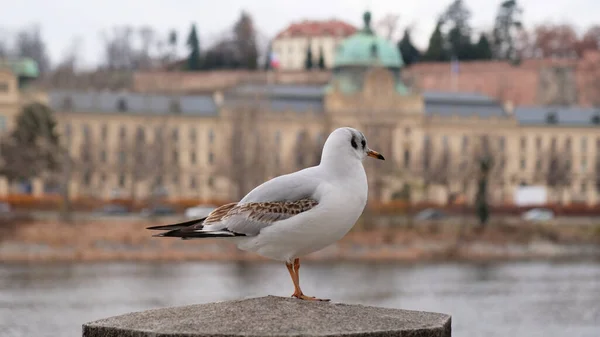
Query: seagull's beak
x=375 y=154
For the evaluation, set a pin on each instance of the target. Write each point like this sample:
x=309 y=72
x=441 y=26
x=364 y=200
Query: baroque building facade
x=221 y=145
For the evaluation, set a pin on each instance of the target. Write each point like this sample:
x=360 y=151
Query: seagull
x=294 y=214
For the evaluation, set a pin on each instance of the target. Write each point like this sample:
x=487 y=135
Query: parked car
x=199 y=211
x=538 y=214
x=430 y=214
x=113 y=209
x=160 y=210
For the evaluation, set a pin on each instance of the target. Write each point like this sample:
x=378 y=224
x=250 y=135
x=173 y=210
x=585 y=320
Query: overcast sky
x=63 y=21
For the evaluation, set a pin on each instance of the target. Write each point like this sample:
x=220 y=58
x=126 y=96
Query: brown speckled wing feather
x=250 y=218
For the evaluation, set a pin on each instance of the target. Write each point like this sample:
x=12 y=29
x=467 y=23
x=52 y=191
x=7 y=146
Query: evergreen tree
x=321 y=64
x=268 y=59
x=245 y=40
x=483 y=50
x=507 y=25
x=436 y=51
x=308 y=62
x=33 y=147
x=194 y=63
x=410 y=54
x=457 y=17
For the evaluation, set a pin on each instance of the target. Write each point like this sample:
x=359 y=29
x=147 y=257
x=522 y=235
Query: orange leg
x=293 y=269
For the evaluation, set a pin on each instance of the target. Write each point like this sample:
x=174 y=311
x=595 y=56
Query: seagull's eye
x=363 y=143
x=353 y=143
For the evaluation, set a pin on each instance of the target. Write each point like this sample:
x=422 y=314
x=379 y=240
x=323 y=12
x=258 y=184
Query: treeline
x=508 y=40
x=130 y=48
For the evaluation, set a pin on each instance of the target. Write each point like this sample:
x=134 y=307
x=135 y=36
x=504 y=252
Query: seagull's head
x=348 y=142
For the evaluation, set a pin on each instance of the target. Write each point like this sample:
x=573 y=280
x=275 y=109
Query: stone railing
x=272 y=316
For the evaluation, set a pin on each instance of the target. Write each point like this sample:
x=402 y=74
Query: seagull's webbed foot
x=309 y=298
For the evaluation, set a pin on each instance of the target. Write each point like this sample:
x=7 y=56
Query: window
x=406 y=158
x=192 y=135
x=175 y=135
x=568 y=144
x=210 y=182
x=68 y=132
x=407 y=131
x=551 y=117
x=122 y=157
x=277 y=137
x=211 y=136
x=140 y=135
x=85 y=131
x=87 y=178
x=583 y=144
x=553 y=144
x=67 y=103
x=445 y=142
x=158 y=134
x=174 y=106
x=193 y=182
x=122 y=133
x=175 y=156
x=122 y=105
x=583 y=164
x=2 y=123
x=501 y=143
x=538 y=143
x=523 y=143
x=193 y=157
x=523 y=164
x=103 y=156
x=104 y=132
x=465 y=144
x=4 y=87
x=121 y=180
x=175 y=179
x=211 y=158
x=538 y=165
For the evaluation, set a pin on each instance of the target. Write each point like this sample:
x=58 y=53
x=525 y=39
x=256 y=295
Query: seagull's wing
x=288 y=187
x=277 y=199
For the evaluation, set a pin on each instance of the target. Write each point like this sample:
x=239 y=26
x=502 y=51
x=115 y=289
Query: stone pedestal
x=272 y=316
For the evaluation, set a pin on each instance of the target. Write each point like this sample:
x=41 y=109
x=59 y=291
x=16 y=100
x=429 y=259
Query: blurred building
x=290 y=45
x=220 y=145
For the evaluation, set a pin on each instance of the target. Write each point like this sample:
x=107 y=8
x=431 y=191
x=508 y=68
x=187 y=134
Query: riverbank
x=128 y=240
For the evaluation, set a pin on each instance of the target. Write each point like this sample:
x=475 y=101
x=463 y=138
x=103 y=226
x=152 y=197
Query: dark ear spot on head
x=353 y=142
x=363 y=142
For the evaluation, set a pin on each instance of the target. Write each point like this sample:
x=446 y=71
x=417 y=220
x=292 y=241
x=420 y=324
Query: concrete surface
x=272 y=316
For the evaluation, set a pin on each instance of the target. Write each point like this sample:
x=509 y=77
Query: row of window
x=143 y=156
x=140 y=133
x=123 y=179
x=501 y=142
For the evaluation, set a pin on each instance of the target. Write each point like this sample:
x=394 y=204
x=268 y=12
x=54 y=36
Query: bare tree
x=388 y=26
x=29 y=43
x=247 y=163
x=558 y=168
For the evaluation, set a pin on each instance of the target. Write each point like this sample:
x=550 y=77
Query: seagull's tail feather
x=179 y=225
x=193 y=229
x=198 y=234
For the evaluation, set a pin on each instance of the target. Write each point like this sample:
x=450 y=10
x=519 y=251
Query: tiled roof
x=318 y=28
x=462 y=104
x=552 y=115
x=134 y=103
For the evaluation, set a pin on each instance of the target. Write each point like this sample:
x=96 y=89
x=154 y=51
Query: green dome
x=26 y=67
x=364 y=48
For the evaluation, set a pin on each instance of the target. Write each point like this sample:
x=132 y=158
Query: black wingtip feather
x=177 y=225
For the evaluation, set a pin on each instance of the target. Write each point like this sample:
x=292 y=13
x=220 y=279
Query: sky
x=67 y=23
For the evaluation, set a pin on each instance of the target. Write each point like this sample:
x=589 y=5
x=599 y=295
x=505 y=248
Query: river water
x=510 y=299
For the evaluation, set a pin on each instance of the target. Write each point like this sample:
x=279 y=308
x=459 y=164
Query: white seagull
x=294 y=214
